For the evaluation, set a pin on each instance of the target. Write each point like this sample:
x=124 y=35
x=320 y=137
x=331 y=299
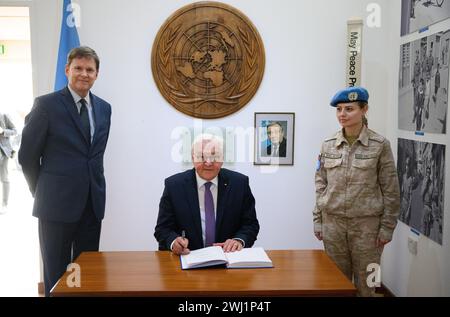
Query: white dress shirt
x=77 y=99
x=201 y=199
x=201 y=202
x=274 y=151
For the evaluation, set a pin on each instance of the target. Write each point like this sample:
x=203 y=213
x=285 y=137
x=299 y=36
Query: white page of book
x=202 y=256
x=249 y=257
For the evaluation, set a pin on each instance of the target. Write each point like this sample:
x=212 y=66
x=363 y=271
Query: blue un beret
x=350 y=94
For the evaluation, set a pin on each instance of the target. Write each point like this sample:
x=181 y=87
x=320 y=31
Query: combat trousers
x=351 y=244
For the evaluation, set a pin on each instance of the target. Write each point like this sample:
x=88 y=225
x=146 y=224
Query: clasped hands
x=180 y=245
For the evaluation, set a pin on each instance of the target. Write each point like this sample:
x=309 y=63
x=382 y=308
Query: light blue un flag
x=68 y=40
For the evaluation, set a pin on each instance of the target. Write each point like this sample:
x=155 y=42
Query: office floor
x=19 y=262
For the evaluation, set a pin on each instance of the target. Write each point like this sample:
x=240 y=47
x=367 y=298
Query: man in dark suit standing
x=275 y=133
x=207 y=205
x=63 y=144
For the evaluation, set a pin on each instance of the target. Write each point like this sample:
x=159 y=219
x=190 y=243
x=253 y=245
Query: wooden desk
x=158 y=273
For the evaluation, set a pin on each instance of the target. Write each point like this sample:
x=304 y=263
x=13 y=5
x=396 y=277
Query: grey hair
x=215 y=141
x=275 y=123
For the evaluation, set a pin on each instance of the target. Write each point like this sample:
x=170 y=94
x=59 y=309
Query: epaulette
x=376 y=137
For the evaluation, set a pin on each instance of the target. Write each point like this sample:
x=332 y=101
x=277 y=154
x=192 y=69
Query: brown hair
x=83 y=52
x=362 y=104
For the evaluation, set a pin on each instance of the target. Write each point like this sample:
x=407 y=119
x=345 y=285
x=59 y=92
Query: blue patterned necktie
x=84 y=116
x=210 y=222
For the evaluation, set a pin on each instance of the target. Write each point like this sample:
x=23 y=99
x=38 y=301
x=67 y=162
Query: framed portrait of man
x=274 y=138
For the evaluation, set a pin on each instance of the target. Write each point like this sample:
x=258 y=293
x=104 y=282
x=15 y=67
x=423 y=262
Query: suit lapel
x=192 y=197
x=222 y=198
x=71 y=107
x=98 y=116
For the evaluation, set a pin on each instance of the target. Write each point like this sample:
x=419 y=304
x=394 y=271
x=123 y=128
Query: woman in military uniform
x=357 y=192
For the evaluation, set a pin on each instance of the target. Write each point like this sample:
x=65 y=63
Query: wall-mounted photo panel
x=421 y=171
x=418 y=14
x=423 y=82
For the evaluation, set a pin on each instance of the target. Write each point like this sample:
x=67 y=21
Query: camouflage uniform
x=428 y=68
x=357 y=201
x=427 y=195
x=406 y=197
x=416 y=83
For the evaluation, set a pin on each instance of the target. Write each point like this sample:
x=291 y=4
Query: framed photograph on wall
x=419 y=14
x=274 y=138
x=421 y=171
x=423 y=84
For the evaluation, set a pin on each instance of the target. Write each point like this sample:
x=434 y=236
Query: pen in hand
x=183 y=243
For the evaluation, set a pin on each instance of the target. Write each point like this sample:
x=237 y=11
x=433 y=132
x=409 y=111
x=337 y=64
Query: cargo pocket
x=364 y=168
x=365 y=161
x=332 y=162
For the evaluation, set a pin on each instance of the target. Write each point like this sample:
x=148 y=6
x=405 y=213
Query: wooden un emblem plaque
x=208 y=60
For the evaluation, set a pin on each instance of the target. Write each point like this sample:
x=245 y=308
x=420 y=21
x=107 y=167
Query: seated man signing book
x=207 y=205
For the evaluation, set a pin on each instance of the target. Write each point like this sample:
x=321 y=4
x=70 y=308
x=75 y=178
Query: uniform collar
x=363 y=137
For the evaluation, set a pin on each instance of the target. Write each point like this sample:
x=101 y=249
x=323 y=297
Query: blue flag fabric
x=68 y=40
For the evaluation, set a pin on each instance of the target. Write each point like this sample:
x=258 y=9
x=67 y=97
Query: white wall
x=305 y=55
x=305 y=64
x=305 y=60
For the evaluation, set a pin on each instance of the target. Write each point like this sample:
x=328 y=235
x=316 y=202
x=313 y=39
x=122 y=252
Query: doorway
x=19 y=246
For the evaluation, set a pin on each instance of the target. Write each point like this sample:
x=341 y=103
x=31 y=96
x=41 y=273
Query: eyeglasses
x=208 y=158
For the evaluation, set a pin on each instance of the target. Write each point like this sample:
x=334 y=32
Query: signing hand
x=180 y=246
x=230 y=245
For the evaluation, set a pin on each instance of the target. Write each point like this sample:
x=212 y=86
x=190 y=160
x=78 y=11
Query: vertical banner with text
x=354 y=52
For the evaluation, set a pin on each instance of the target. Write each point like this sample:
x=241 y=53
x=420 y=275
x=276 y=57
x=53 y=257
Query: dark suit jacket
x=281 y=149
x=179 y=210
x=58 y=163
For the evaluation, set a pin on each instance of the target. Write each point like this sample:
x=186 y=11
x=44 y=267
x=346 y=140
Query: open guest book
x=211 y=256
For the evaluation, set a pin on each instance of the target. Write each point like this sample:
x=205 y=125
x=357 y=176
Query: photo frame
x=420 y=14
x=421 y=171
x=274 y=138
x=423 y=84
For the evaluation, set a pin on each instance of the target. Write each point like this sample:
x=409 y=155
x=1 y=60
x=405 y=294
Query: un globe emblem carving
x=208 y=60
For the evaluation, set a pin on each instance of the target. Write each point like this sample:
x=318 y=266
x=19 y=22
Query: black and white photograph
x=274 y=138
x=421 y=171
x=423 y=82
x=418 y=14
